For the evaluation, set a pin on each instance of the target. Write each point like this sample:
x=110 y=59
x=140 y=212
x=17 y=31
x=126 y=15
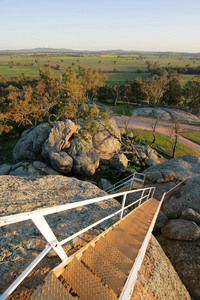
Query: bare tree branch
x=173 y=134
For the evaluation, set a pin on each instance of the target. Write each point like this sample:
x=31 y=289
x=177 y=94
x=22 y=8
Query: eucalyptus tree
x=192 y=93
x=92 y=80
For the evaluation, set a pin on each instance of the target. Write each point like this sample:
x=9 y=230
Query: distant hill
x=36 y=50
x=114 y=51
x=48 y=50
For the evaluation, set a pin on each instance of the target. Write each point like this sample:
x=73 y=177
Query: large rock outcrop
x=58 y=138
x=191 y=215
x=146 y=154
x=166 y=114
x=107 y=139
x=119 y=161
x=179 y=168
x=188 y=196
x=29 y=147
x=57 y=146
x=27 y=169
x=61 y=162
x=160 y=113
x=157 y=278
x=178 y=221
x=85 y=157
x=185 y=257
x=184 y=230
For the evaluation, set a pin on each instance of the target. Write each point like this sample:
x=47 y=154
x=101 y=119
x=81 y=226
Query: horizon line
x=107 y=50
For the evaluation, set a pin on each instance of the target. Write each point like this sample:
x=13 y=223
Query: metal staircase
x=107 y=267
x=101 y=268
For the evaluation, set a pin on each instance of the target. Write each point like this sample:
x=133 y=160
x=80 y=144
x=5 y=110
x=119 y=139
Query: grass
x=124 y=108
x=121 y=108
x=163 y=143
x=120 y=77
x=6 y=150
x=186 y=78
x=192 y=135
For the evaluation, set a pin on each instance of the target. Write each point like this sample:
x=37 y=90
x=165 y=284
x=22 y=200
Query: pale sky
x=145 y=25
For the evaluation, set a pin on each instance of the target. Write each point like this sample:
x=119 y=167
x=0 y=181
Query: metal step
x=118 y=233
x=143 y=215
x=121 y=245
x=135 y=185
x=114 y=255
x=99 y=265
x=84 y=283
x=135 y=225
x=137 y=234
x=52 y=290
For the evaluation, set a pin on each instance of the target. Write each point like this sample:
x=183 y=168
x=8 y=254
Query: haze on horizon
x=145 y=25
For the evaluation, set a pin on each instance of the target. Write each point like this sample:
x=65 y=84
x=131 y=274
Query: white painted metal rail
x=135 y=177
x=131 y=280
x=38 y=219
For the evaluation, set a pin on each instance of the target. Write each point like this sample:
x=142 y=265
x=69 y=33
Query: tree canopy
x=25 y=101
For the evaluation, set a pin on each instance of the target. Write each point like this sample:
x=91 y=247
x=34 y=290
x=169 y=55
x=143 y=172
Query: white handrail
x=38 y=219
x=6 y=220
x=125 y=181
x=131 y=280
x=25 y=273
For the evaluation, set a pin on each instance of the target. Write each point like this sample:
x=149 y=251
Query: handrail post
x=144 y=176
x=149 y=194
x=123 y=204
x=48 y=234
x=132 y=179
x=153 y=192
x=141 y=198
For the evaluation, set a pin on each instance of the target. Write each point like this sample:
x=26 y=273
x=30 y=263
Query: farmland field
x=127 y=66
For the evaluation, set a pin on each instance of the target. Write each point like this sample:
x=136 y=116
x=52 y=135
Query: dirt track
x=162 y=127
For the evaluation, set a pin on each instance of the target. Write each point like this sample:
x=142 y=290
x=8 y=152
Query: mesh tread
x=84 y=283
x=52 y=290
x=114 y=255
x=128 y=238
x=135 y=185
x=120 y=244
x=144 y=213
x=140 y=219
x=133 y=229
x=110 y=274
